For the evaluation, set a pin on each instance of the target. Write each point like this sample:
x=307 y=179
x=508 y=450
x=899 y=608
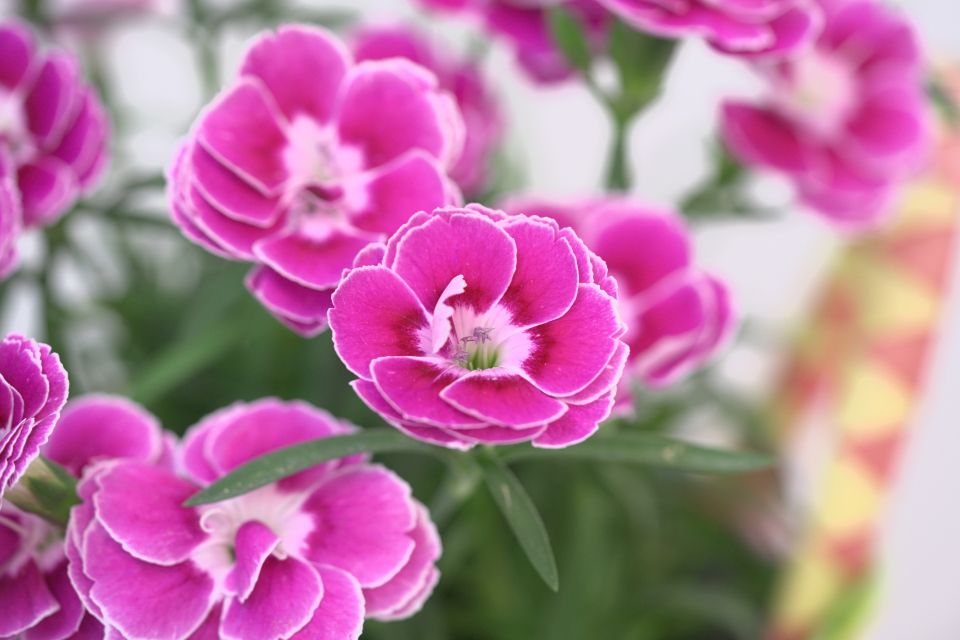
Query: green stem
x=459 y=484
x=618 y=164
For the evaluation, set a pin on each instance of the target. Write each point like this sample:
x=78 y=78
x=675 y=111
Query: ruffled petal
x=360 y=336
x=497 y=396
x=362 y=518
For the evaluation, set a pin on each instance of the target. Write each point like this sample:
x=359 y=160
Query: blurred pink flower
x=846 y=120
x=742 y=27
x=37 y=598
x=33 y=388
x=306 y=557
x=525 y=25
x=10 y=217
x=298 y=175
x=53 y=129
x=677 y=315
x=464 y=80
x=471 y=326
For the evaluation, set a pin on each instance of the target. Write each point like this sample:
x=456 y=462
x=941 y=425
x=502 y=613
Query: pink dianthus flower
x=845 y=120
x=472 y=326
x=304 y=558
x=53 y=129
x=306 y=159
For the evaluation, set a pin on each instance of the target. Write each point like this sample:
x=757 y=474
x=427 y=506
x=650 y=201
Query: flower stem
x=618 y=164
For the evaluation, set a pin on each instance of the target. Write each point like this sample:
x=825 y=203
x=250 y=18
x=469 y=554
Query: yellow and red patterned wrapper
x=850 y=393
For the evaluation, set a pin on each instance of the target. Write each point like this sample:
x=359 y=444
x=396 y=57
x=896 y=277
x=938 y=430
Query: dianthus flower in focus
x=472 y=326
x=525 y=24
x=10 y=218
x=756 y=27
x=846 y=119
x=33 y=388
x=37 y=597
x=306 y=159
x=464 y=80
x=306 y=557
x=677 y=315
x=53 y=129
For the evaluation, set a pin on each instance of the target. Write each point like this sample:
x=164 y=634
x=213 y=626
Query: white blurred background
x=560 y=136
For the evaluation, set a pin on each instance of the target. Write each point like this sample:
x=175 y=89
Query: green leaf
x=523 y=518
x=651 y=450
x=281 y=463
x=568 y=34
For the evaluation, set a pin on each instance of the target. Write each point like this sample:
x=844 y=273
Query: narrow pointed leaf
x=524 y=519
x=281 y=463
x=651 y=450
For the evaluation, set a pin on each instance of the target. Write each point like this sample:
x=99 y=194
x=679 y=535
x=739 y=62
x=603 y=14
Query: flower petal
x=362 y=517
x=141 y=506
x=578 y=424
x=66 y=620
x=285 y=599
x=374 y=399
x=303 y=310
x=412 y=386
x=179 y=596
x=360 y=336
x=504 y=398
x=244 y=131
x=97 y=427
x=389 y=107
x=340 y=614
x=254 y=543
x=386 y=197
x=544 y=284
x=311 y=260
x=468 y=244
x=406 y=591
x=282 y=61
x=25 y=600
x=570 y=352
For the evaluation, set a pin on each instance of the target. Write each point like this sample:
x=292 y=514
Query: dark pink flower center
x=472 y=340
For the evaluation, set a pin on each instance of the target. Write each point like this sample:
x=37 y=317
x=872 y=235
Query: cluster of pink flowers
x=53 y=128
x=845 y=119
x=37 y=594
x=297 y=177
x=53 y=132
x=337 y=173
x=677 y=315
x=525 y=24
x=487 y=328
x=308 y=557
